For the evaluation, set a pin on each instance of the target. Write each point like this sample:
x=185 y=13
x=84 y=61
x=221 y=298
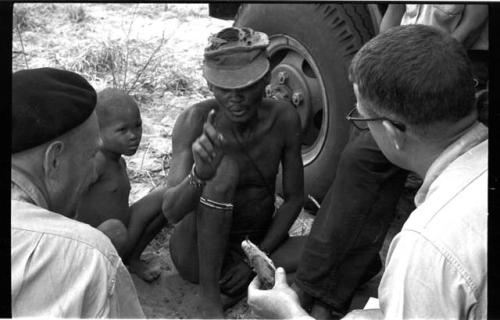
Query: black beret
x=46 y=103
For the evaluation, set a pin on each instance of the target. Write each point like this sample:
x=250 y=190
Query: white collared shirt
x=437 y=265
x=63 y=268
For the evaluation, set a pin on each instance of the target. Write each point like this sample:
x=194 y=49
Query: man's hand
x=281 y=302
x=236 y=278
x=207 y=149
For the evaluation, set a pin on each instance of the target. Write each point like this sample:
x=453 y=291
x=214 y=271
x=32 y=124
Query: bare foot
x=147 y=271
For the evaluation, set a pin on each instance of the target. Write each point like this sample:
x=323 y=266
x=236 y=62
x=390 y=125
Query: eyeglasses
x=362 y=123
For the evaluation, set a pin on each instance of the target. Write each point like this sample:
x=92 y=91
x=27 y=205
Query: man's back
x=443 y=246
x=63 y=268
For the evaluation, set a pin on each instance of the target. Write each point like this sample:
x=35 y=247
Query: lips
x=133 y=146
x=238 y=111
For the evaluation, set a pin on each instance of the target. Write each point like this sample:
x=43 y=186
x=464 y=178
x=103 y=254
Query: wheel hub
x=296 y=78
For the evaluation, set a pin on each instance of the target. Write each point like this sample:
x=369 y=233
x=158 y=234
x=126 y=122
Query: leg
x=206 y=232
x=213 y=227
x=146 y=220
x=115 y=230
x=151 y=270
x=350 y=226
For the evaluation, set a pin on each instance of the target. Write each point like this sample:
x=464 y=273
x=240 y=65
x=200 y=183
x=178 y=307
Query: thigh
x=184 y=248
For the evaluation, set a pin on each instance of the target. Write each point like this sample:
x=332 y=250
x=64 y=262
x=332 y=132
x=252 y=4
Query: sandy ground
x=97 y=40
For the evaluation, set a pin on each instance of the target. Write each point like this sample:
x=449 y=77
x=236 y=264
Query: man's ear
x=52 y=158
x=396 y=136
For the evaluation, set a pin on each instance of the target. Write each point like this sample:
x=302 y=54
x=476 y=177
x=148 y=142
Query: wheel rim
x=296 y=78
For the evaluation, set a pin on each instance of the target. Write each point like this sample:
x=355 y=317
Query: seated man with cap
x=60 y=267
x=221 y=185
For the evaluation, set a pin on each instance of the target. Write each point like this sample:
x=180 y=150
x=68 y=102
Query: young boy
x=105 y=205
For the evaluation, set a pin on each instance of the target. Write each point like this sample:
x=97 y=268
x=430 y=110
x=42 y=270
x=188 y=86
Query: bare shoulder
x=195 y=114
x=283 y=113
x=189 y=123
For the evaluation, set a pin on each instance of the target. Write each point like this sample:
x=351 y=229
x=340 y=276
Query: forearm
x=283 y=220
x=392 y=16
x=473 y=20
x=180 y=200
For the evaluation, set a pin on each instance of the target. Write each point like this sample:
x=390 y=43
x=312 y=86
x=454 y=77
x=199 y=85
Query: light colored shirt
x=437 y=265
x=61 y=267
x=445 y=17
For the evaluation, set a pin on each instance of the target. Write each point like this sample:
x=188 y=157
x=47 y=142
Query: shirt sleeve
x=124 y=300
x=421 y=281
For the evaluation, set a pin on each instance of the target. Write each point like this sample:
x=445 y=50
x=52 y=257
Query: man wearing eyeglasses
x=415 y=93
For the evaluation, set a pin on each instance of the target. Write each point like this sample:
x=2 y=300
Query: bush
x=76 y=14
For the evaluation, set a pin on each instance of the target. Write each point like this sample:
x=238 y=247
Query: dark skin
x=269 y=132
x=105 y=205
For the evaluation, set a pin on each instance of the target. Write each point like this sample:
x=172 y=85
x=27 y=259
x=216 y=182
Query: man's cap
x=236 y=58
x=46 y=103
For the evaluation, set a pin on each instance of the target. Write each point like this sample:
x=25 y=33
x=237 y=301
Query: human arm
x=470 y=26
x=193 y=141
x=392 y=16
x=280 y=302
x=293 y=182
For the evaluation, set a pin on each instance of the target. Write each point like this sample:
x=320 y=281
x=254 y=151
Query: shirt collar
x=23 y=189
x=474 y=136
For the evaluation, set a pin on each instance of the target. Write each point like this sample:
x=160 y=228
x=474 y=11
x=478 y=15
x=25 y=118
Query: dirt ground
x=154 y=51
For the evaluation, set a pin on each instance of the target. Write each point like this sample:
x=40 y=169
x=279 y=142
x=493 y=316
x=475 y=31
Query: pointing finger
x=211 y=117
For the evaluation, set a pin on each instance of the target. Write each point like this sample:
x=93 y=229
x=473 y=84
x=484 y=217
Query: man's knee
x=223 y=184
x=116 y=231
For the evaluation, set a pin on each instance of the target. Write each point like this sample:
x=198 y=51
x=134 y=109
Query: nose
x=235 y=94
x=134 y=135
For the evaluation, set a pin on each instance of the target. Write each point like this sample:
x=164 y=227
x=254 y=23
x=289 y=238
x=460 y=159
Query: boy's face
x=240 y=105
x=121 y=130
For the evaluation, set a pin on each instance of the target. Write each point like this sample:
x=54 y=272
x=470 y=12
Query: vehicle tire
x=311 y=46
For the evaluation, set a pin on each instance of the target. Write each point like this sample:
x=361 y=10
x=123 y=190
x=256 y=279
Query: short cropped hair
x=109 y=101
x=416 y=73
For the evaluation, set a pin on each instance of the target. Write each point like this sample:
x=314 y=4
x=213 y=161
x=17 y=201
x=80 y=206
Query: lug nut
x=297 y=98
x=269 y=91
x=282 y=77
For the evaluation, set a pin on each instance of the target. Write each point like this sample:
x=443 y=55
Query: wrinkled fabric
x=445 y=17
x=63 y=268
x=349 y=229
x=437 y=265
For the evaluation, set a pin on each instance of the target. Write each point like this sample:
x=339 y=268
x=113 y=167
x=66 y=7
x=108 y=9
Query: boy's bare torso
x=108 y=197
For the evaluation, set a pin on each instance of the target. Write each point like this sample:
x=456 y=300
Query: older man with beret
x=60 y=267
x=226 y=155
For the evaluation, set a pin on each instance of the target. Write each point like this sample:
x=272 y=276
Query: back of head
x=236 y=58
x=415 y=73
x=47 y=103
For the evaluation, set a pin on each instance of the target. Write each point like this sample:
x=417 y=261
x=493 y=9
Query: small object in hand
x=260 y=263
